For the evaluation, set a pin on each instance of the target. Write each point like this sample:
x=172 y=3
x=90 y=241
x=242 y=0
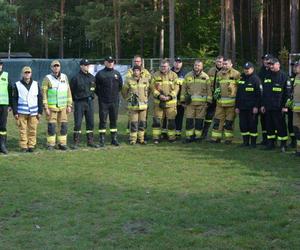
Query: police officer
x=178 y=69
x=165 y=87
x=57 y=101
x=225 y=94
x=247 y=104
x=5 y=93
x=108 y=85
x=273 y=105
x=136 y=91
x=195 y=94
x=27 y=105
x=83 y=88
x=296 y=107
x=211 y=107
x=264 y=73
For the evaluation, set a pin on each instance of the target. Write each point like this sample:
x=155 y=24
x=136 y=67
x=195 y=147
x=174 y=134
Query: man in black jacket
x=273 y=105
x=247 y=104
x=83 y=88
x=108 y=85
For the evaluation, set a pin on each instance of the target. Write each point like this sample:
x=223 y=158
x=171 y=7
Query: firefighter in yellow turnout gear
x=136 y=91
x=296 y=107
x=225 y=94
x=196 y=92
x=57 y=101
x=164 y=85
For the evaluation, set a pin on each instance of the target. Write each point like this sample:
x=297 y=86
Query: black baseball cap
x=248 y=65
x=109 y=59
x=84 y=62
x=178 y=59
x=267 y=56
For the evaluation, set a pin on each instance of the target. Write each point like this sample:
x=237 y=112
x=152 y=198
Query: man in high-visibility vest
x=4 y=103
x=57 y=101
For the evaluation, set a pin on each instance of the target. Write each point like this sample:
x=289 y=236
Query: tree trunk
x=222 y=31
x=227 y=41
x=117 y=17
x=172 y=29
x=260 y=31
x=154 y=42
x=162 y=31
x=282 y=23
x=241 y=29
x=233 y=35
x=61 y=44
x=294 y=10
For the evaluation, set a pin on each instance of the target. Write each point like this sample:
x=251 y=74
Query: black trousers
x=263 y=123
x=248 y=122
x=210 y=112
x=290 y=122
x=275 y=120
x=179 y=117
x=84 y=108
x=111 y=110
x=3 y=117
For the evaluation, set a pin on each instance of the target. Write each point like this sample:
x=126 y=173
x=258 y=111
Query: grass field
x=197 y=196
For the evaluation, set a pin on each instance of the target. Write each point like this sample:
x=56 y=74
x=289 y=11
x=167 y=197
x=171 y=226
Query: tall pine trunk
x=117 y=18
x=162 y=31
x=260 y=31
x=62 y=14
x=172 y=29
x=294 y=10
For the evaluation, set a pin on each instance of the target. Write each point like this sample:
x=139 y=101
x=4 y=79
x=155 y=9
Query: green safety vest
x=4 y=100
x=58 y=94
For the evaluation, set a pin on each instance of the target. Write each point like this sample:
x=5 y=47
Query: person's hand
x=263 y=110
x=16 y=117
x=69 y=109
x=237 y=111
x=284 y=110
x=167 y=98
x=47 y=111
x=162 y=98
x=38 y=116
x=255 y=110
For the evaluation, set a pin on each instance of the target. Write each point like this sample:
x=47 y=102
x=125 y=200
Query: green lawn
x=197 y=196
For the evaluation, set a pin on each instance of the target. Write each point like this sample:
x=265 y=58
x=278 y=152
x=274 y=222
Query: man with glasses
x=57 y=101
x=27 y=105
x=108 y=85
x=165 y=87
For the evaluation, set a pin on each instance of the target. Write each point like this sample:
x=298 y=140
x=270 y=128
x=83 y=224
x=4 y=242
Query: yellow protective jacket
x=197 y=87
x=296 y=94
x=227 y=81
x=136 y=92
x=165 y=84
x=56 y=88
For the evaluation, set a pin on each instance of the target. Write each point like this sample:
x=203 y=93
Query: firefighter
x=211 y=107
x=57 y=101
x=83 y=89
x=27 y=105
x=264 y=73
x=108 y=85
x=136 y=91
x=195 y=94
x=178 y=69
x=225 y=94
x=296 y=107
x=165 y=87
x=247 y=104
x=5 y=94
x=274 y=100
x=137 y=61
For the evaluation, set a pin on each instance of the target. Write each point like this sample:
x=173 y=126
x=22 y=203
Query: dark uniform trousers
x=248 y=123
x=3 y=118
x=275 y=121
x=290 y=123
x=210 y=112
x=84 y=108
x=179 y=118
x=111 y=110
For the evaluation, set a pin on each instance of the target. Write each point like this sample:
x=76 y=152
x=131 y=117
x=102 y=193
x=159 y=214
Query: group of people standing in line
x=215 y=97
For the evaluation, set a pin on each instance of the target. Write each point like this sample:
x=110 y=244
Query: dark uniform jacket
x=248 y=93
x=181 y=74
x=82 y=86
x=15 y=97
x=108 y=85
x=275 y=92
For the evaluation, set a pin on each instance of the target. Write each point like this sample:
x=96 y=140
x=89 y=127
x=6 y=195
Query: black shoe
x=188 y=140
x=62 y=147
x=172 y=140
x=215 y=141
x=30 y=150
x=90 y=141
x=283 y=149
x=114 y=140
x=3 y=148
x=102 y=140
x=293 y=143
x=198 y=140
x=227 y=142
x=50 y=148
x=270 y=145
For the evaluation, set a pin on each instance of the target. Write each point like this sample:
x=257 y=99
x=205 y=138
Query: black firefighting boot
x=270 y=144
x=246 y=139
x=114 y=140
x=253 y=142
x=76 y=140
x=205 y=130
x=90 y=140
x=102 y=140
x=283 y=147
x=3 y=148
x=293 y=143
